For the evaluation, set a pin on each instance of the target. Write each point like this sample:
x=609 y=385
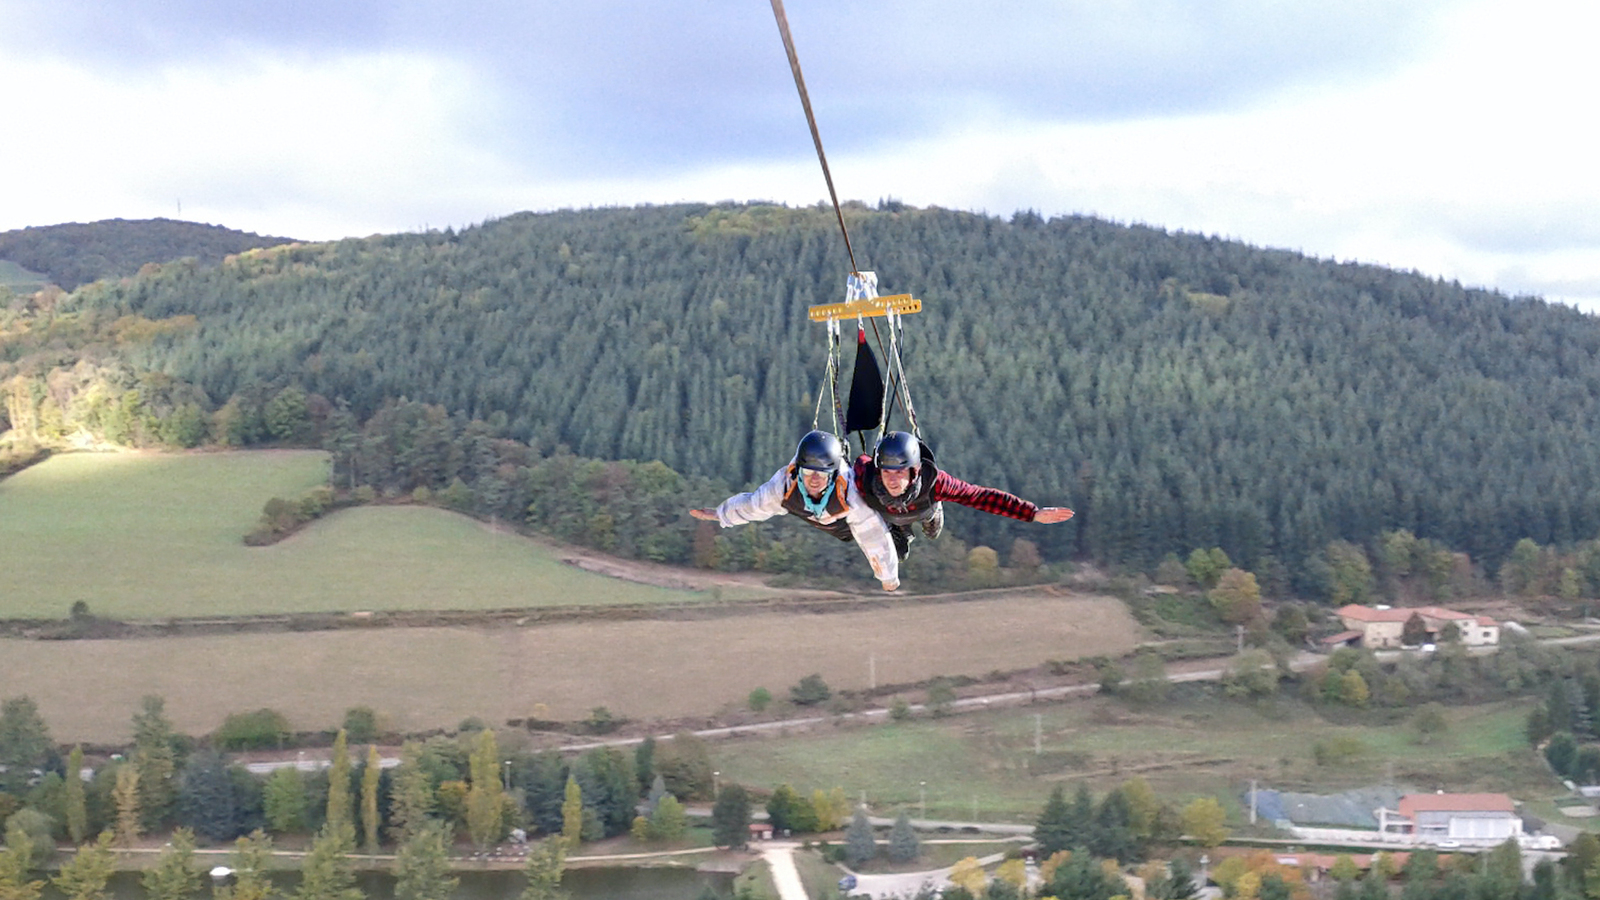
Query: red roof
x=1411 y=804
x=1403 y=613
x=1368 y=614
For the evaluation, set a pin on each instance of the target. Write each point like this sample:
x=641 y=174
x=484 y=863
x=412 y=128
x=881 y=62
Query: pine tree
x=174 y=876
x=903 y=843
x=860 y=844
x=126 y=797
x=209 y=798
x=543 y=869
x=16 y=861
x=250 y=858
x=84 y=877
x=1055 y=830
x=25 y=743
x=156 y=760
x=730 y=818
x=326 y=873
x=422 y=865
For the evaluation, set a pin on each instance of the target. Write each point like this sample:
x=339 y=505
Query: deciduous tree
x=669 y=822
x=412 y=800
x=1205 y=821
x=370 y=821
x=339 y=813
x=74 y=806
x=283 y=800
x=484 y=803
x=572 y=814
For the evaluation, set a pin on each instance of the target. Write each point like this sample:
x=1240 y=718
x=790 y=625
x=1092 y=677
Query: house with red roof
x=1477 y=819
x=1380 y=627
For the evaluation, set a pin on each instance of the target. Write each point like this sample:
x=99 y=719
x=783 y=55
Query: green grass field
x=139 y=535
x=20 y=280
x=983 y=766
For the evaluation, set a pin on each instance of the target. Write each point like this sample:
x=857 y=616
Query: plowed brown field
x=433 y=677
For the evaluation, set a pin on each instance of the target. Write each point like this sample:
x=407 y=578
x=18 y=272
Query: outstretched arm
x=984 y=499
x=758 y=505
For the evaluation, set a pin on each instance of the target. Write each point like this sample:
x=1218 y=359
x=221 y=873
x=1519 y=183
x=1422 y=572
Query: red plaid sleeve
x=985 y=499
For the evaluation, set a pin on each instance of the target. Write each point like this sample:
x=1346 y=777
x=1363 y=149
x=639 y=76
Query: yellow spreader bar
x=901 y=304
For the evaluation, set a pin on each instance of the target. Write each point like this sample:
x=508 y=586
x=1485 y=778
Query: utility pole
x=1038 y=734
x=1252 y=801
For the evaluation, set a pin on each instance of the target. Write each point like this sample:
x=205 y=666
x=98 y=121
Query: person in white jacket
x=820 y=489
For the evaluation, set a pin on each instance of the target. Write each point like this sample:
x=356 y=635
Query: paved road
x=780 y=861
x=905 y=884
x=1301 y=662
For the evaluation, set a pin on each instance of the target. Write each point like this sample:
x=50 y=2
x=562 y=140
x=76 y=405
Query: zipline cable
x=816 y=136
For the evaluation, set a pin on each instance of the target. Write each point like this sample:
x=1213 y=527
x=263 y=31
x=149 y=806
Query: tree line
x=1179 y=391
x=75 y=254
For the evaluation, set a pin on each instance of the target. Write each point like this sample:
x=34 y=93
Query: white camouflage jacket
x=871 y=535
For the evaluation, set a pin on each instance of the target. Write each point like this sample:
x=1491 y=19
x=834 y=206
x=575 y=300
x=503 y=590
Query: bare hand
x=1050 y=515
x=708 y=514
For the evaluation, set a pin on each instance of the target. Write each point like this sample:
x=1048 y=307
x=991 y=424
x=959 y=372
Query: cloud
x=664 y=86
x=1447 y=136
x=359 y=141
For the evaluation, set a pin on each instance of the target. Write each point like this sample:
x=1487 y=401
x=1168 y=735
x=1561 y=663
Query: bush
x=1338 y=750
x=810 y=691
x=259 y=730
x=941 y=697
x=360 y=725
x=602 y=721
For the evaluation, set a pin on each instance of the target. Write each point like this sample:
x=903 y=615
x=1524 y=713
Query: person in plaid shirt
x=903 y=485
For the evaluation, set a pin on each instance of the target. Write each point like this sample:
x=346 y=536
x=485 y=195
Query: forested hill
x=76 y=254
x=1179 y=391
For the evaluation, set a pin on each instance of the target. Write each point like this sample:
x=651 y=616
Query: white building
x=1477 y=819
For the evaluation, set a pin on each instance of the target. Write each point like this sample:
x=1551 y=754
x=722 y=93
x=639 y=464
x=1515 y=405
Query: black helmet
x=820 y=450
x=898 y=450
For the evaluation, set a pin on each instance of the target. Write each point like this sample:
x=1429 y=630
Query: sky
x=1455 y=138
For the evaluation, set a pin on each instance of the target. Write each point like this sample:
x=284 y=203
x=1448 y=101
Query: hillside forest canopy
x=1179 y=391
